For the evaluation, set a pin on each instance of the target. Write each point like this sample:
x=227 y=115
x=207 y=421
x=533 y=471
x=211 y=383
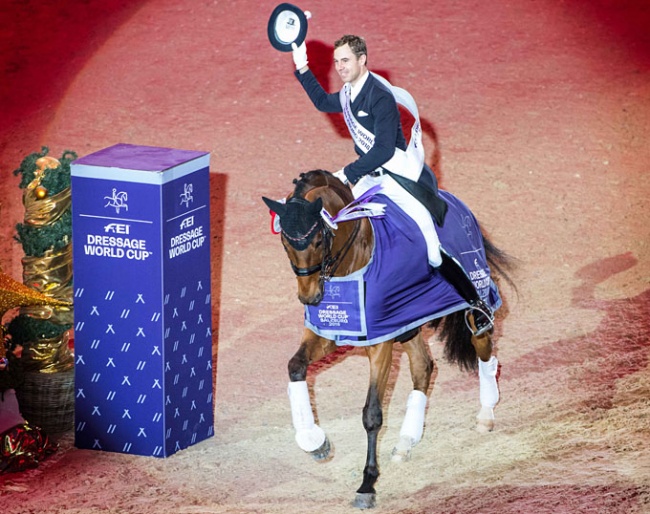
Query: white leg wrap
x=309 y=436
x=413 y=424
x=489 y=390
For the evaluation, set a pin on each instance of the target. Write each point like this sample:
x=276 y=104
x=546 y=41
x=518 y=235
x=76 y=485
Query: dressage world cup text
x=333 y=316
x=116 y=247
x=186 y=242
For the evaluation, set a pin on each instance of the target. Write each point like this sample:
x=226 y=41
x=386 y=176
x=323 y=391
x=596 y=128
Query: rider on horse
x=369 y=105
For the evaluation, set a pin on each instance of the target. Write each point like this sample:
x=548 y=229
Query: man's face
x=347 y=65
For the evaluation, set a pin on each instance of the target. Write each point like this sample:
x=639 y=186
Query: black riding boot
x=456 y=276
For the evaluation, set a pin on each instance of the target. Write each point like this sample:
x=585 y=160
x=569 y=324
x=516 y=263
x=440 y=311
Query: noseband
x=329 y=263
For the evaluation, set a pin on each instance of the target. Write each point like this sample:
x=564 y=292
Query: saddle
x=426 y=194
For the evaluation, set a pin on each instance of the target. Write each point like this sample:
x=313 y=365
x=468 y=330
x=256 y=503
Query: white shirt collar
x=354 y=90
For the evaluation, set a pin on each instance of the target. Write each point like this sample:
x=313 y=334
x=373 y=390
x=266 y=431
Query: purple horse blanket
x=398 y=290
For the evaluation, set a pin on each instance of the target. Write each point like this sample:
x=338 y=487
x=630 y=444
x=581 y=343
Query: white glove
x=341 y=176
x=299 y=55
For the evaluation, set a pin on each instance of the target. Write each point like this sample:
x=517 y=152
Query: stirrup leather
x=483 y=322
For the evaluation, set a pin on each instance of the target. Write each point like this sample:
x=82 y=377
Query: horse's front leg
x=380 y=357
x=488 y=387
x=309 y=436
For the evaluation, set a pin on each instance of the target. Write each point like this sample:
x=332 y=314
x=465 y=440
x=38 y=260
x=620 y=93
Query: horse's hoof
x=484 y=426
x=364 y=501
x=321 y=454
x=485 y=420
x=402 y=451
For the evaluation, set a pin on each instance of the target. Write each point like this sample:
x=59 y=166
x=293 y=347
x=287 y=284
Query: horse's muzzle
x=311 y=299
x=310 y=290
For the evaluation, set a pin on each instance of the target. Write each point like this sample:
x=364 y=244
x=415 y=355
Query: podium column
x=142 y=300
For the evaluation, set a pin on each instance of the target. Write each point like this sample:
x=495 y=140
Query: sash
x=407 y=163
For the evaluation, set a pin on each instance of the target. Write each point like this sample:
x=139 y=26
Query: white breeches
x=412 y=207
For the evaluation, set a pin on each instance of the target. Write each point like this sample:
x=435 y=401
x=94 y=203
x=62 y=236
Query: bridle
x=330 y=263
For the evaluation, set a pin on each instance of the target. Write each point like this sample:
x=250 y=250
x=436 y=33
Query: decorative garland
x=38 y=240
x=54 y=180
x=24 y=329
x=56 y=235
x=43 y=177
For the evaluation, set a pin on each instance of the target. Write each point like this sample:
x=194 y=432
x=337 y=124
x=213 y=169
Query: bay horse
x=323 y=251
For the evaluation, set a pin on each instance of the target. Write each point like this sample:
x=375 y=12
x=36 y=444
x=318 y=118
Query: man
x=370 y=111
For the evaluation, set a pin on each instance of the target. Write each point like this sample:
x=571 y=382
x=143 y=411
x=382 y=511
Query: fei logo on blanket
x=341 y=309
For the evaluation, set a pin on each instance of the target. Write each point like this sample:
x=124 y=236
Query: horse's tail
x=456 y=336
x=500 y=262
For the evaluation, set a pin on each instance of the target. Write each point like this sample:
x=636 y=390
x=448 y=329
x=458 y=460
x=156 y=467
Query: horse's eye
x=318 y=243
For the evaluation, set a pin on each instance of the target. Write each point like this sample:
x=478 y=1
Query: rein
x=329 y=264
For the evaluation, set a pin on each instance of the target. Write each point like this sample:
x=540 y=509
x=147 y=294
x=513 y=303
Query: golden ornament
x=40 y=192
x=46 y=162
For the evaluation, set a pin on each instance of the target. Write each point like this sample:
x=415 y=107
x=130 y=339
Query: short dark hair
x=357 y=44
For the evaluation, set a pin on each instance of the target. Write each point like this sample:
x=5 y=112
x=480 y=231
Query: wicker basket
x=47 y=400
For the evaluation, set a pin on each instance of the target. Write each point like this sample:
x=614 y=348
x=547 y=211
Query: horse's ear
x=316 y=206
x=277 y=207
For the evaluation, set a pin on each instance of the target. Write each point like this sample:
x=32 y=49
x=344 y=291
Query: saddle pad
x=398 y=290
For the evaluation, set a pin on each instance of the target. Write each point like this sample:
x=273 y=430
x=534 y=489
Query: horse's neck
x=360 y=251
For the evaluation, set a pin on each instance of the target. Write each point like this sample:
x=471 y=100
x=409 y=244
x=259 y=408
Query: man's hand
x=341 y=176
x=299 y=55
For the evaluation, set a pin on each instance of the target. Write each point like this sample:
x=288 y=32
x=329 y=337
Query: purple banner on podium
x=142 y=300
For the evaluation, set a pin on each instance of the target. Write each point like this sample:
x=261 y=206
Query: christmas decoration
x=42 y=327
x=22 y=446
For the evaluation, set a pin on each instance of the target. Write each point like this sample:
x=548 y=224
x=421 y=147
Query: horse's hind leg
x=380 y=357
x=309 y=436
x=488 y=387
x=421 y=366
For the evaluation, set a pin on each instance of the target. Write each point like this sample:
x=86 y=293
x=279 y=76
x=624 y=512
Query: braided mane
x=320 y=178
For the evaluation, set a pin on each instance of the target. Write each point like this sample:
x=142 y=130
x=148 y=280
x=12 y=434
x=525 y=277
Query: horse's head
x=309 y=241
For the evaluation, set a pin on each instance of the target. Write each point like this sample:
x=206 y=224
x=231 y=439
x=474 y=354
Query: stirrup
x=484 y=321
